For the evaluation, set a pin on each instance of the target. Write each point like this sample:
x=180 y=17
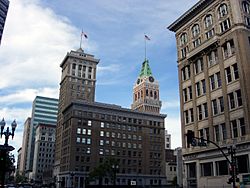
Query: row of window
x=208 y=22
x=118 y=126
x=234 y=101
x=120 y=135
x=231 y=73
x=212 y=59
x=149 y=93
x=116 y=118
x=223 y=168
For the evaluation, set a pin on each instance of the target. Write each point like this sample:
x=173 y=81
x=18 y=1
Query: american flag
x=146 y=37
x=84 y=34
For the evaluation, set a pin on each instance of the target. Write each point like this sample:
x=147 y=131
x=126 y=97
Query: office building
x=167 y=140
x=44 y=110
x=23 y=160
x=171 y=167
x=90 y=132
x=19 y=153
x=4 y=6
x=44 y=154
x=213 y=44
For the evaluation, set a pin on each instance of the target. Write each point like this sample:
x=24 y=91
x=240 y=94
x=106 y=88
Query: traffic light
x=190 y=137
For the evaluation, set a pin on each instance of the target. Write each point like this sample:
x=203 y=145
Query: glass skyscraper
x=4 y=6
x=44 y=111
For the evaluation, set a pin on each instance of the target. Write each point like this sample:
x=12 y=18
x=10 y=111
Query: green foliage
x=103 y=170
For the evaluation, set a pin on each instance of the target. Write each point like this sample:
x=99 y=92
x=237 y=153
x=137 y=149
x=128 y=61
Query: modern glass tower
x=4 y=6
x=44 y=111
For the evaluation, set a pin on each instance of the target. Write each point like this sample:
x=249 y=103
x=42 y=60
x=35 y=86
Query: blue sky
x=39 y=33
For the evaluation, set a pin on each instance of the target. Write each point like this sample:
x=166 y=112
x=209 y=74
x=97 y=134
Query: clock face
x=138 y=81
x=151 y=79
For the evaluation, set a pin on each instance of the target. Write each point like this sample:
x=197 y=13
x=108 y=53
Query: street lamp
x=4 y=149
x=115 y=168
x=7 y=133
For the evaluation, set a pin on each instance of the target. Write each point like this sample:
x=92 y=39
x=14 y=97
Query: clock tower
x=146 y=91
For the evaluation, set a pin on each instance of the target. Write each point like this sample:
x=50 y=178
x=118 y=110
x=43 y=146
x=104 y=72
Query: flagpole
x=145 y=47
x=81 y=41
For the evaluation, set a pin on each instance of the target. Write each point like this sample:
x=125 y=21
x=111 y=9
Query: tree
x=103 y=170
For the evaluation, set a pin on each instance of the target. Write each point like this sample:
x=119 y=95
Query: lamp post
x=4 y=149
x=115 y=168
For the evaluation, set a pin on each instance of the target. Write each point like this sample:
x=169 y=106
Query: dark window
x=207 y=169
x=221 y=168
x=243 y=164
x=239 y=99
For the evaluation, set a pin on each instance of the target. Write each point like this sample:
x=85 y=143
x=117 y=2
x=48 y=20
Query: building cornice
x=191 y=13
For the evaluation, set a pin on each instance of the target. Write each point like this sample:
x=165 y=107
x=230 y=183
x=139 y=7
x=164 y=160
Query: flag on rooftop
x=84 y=34
x=146 y=37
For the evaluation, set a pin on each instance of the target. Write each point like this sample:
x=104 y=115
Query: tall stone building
x=89 y=132
x=44 y=153
x=4 y=6
x=23 y=159
x=146 y=91
x=213 y=44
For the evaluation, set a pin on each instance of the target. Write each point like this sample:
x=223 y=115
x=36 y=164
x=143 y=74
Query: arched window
x=155 y=95
x=246 y=7
x=208 y=21
x=139 y=95
x=146 y=92
x=151 y=93
x=222 y=10
x=195 y=30
x=183 y=39
x=135 y=97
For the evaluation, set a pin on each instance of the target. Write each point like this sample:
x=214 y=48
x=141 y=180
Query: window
x=184 y=52
x=207 y=169
x=231 y=100
x=102 y=124
x=208 y=21
x=198 y=66
x=246 y=7
x=210 y=33
x=199 y=112
x=197 y=42
x=222 y=10
x=185 y=72
x=217 y=133
x=78 y=140
x=224 y=131
x=212 y=58
x=89 y=141
x=101 y=142
x=218 y=78
x=185 y=94
x=225 y=25
x=89 y=123
x=228 y=49
x=215 y=107
x=243 y=163
x=191 y=112
x=195 y=30
x=79 y=130
x=101 y=151
x=235 y=71
x=190 y=92
x=198 y=89
x=221 y=168
x=212 y=82
x=84 y=131
x=228 y=74
x=239 y=99
x=205 y=110
x=221 y=104
x=101 y=133
x=242 y=126
x=203 y=83
x=215 y=81
x=183 y=39
x=247 y=21
x=234 y=129
x=89 y=132
x=186 y=117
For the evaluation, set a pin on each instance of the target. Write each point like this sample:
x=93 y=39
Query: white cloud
x=28 y=95
x=34 y=43
x=173 y=125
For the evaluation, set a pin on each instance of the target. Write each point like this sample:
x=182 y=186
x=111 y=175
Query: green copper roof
x=145 y=70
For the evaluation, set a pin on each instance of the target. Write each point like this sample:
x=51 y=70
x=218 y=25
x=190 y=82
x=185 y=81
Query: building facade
x=167 y=140
x=19 y=153
x=171 y=167
x=89 y=132
x=213 y=44
x=146 y=91
x=44 y=110
x=44 y=153
x=23 y=160
x=4 y=6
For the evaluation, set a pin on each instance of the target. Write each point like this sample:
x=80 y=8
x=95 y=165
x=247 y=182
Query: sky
x=39 y=33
